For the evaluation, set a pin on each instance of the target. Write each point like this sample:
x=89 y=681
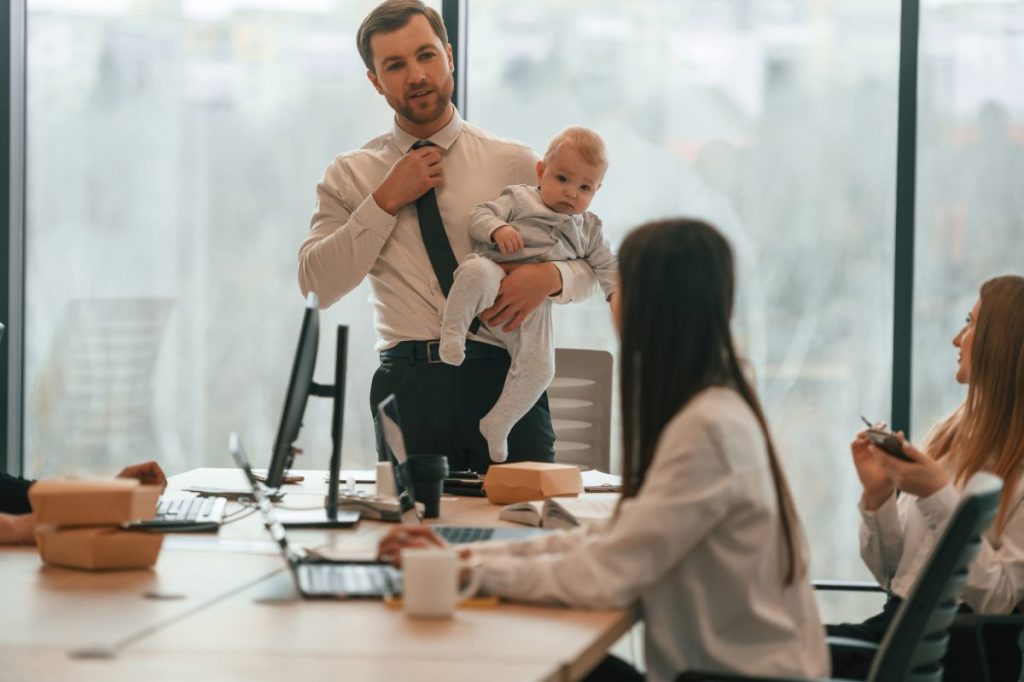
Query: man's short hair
x=584 y=140
x=392 y=15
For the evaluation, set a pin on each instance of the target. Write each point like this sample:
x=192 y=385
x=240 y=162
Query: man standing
x=397 y=211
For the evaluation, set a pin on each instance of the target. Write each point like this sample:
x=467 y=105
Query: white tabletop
x=223 y=605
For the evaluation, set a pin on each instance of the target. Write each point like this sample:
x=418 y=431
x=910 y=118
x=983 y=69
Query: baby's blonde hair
x=584 y=140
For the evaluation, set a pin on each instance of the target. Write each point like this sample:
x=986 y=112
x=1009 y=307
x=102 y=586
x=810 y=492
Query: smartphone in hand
x=888 y=443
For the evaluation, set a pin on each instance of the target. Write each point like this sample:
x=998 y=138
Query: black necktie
x=439 y=249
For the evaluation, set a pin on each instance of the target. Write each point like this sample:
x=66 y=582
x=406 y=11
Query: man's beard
x=443 y=95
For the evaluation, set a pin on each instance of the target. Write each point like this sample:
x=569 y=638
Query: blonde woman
x=986 y=432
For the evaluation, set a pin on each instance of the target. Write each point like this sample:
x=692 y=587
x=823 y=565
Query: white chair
x=93 y=403
x=580 y=397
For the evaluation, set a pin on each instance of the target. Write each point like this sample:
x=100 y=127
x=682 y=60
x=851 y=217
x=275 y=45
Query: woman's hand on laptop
x=397 y=539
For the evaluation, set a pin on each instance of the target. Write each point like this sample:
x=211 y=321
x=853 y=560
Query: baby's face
x=568 y=183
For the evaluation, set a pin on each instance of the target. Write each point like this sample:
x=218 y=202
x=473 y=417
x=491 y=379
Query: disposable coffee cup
x=385 y=480
x=427 y=474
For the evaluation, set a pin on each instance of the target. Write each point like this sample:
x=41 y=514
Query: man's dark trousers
x=441 y=406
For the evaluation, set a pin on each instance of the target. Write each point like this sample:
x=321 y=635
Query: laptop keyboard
x=351 y=579
x=458 y=535
x=195 y=509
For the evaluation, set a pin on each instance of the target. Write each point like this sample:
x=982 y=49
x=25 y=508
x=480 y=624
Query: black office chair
x=916 y=641
x=986 y=646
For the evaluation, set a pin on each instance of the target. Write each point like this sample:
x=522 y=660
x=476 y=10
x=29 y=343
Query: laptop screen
x=394 y=444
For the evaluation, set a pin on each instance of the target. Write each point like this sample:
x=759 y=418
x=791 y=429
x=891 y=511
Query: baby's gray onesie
x=547 y=236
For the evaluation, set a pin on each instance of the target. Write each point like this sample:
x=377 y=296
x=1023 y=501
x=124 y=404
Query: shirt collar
x=443 y=138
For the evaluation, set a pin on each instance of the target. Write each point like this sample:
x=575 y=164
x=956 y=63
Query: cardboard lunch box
x=98 y=548
x=525 y=481
x=68 y=503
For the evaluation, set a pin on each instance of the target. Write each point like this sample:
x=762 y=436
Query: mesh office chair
x=580 y=397
x=94 y=395
x=916 y=641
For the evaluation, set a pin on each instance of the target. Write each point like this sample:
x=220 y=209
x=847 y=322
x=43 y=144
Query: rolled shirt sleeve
x=343 y=244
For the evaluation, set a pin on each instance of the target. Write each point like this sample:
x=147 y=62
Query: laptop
x=315 y=577
x=394 y=444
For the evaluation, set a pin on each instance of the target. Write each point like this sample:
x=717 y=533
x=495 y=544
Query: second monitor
x=300 y=387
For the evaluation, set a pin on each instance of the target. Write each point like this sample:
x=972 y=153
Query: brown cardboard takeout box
x=103 y=547
x=92 y=503
x=77 y=523
x=525 y=481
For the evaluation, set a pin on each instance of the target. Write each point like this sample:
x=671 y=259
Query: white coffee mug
x=430 y=581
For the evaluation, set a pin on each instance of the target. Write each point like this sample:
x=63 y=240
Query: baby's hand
x=507 y=239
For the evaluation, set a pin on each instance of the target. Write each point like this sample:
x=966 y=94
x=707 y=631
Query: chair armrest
x=975 y=620
x=703 y=676
x=847 y=585
x=851 y=644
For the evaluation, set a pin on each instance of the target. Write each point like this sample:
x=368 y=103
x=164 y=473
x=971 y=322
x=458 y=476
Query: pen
x=865 y=420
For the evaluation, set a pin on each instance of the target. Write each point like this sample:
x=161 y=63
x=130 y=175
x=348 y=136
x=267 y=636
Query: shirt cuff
x=566 y=273
x=879 y=515
x=499 y=576
x=938 y=507
x=374 y=218
x=489 y=548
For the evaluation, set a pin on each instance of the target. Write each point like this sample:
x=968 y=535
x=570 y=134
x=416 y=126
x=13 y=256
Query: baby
x=530 y=224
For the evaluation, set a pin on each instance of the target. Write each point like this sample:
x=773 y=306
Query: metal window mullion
x=906 y=162
x=455 y=14
x=12 y=305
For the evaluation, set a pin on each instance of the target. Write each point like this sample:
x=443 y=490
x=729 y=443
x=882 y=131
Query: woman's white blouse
x=897 y=538
x=700 y=547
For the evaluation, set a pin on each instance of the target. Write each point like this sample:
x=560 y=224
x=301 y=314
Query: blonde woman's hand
x=921 y=477
x=874 y=477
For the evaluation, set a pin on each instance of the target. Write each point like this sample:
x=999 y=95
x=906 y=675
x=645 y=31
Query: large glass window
x=775 y=121
x=970 y=165
x=173 y=152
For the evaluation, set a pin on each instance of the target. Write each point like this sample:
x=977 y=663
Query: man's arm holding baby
x=526 y=285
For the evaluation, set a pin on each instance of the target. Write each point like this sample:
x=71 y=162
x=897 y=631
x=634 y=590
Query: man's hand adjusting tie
x=410 y=177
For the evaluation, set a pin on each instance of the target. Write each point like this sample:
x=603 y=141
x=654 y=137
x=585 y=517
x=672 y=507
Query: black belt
x=429 y=351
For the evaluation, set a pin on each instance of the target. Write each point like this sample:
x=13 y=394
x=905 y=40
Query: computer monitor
x=300 y=387
x=300 y=384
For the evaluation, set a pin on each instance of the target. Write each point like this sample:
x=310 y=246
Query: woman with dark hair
x=986 y=432
x=706 y=536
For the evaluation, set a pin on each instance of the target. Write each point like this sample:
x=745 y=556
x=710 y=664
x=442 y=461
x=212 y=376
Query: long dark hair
x=676 y=302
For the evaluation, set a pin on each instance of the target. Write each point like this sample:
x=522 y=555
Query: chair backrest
x=94 y=395
x=580 y=397
x=915 y=643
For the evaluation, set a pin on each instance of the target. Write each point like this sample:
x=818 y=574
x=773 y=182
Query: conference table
x=222 y=606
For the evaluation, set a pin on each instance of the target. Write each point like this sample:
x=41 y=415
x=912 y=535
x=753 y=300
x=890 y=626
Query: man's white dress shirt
x=351 y=237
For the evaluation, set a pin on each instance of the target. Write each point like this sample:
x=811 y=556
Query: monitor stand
x=329 y=516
